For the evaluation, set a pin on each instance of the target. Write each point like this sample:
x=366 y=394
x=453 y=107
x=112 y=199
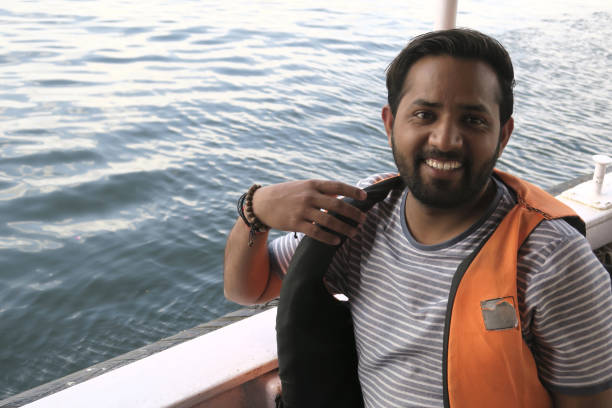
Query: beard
x=440 y=193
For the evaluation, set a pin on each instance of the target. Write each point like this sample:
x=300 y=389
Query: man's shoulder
x=554 y=232
x=534 y=197
x=550 y=235
x=550 y=240
x=557 y=228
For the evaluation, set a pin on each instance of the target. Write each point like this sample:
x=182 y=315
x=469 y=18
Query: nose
x=446 y=135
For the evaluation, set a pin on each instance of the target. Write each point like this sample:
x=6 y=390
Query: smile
x=443 y=165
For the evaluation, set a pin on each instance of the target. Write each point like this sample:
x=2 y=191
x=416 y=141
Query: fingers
x=341 y=208
x=315 y=231
x=327 y=200
x=337 y=188
x=325 y=234
x=333 y=224
x=296 y=206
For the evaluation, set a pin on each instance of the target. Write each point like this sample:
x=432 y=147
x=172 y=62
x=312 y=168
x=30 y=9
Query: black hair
x=459 y=43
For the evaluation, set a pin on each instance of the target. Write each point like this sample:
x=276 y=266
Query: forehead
x=446 y=79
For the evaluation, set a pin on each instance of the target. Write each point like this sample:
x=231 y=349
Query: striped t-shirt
x=398 y=291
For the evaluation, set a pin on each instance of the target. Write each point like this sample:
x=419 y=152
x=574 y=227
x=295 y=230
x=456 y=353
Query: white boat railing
x=224 y=368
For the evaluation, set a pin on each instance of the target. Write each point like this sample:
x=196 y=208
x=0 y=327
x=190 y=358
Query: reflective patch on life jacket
x=499 y=314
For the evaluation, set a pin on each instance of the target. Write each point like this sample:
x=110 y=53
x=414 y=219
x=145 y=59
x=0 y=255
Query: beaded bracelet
x=245 y=210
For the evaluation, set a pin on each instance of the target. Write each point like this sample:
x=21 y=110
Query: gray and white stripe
x=398 y=291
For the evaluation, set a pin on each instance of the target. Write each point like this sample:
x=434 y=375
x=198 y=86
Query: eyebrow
x=474 y=107
x=477 y=107
x=427 y=104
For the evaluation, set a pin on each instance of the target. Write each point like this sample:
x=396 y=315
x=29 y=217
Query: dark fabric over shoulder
x=316 y=346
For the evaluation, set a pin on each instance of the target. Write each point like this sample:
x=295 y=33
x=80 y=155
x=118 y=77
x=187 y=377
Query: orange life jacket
x=486 y=361
x=481 y=367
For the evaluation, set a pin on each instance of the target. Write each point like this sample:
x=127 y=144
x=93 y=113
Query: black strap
x=316 y=348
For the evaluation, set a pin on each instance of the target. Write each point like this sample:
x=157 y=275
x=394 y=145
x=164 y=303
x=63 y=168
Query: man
x=448 y=119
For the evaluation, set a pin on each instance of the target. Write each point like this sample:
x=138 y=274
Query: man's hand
x=293 y=206
x=296 y=206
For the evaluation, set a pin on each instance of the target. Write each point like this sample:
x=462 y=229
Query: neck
x=430 y=226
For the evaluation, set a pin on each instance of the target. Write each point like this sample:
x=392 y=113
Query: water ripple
x=63 y=83
x=128 y=133
x=169 y=37
x=122 y=60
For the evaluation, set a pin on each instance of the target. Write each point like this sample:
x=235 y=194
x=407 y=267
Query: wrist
x=249 y=212
x=245 y=210
x=256 y=206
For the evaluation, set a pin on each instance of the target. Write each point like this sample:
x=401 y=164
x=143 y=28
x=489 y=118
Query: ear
x=506 y=131
x=387 y=117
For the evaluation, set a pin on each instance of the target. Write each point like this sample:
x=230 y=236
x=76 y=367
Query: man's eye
x=424 y=115
x=475 y=121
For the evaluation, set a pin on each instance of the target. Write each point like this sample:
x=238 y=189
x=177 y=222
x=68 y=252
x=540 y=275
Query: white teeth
x=443 y=165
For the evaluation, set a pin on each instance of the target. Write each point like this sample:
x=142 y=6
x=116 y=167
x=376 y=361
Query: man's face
x=446 y=134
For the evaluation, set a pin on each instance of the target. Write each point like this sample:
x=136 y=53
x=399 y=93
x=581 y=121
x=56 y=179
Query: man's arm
x=247 y=278
x=568 y=298
x=599 y=400
x=293 y=206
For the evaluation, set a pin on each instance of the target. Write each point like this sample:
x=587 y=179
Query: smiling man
x=467 y=287
x=446 y=135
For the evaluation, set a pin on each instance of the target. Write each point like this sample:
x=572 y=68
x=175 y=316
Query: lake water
x=128 y=129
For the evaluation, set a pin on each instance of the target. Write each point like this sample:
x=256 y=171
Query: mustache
x=440 y=155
